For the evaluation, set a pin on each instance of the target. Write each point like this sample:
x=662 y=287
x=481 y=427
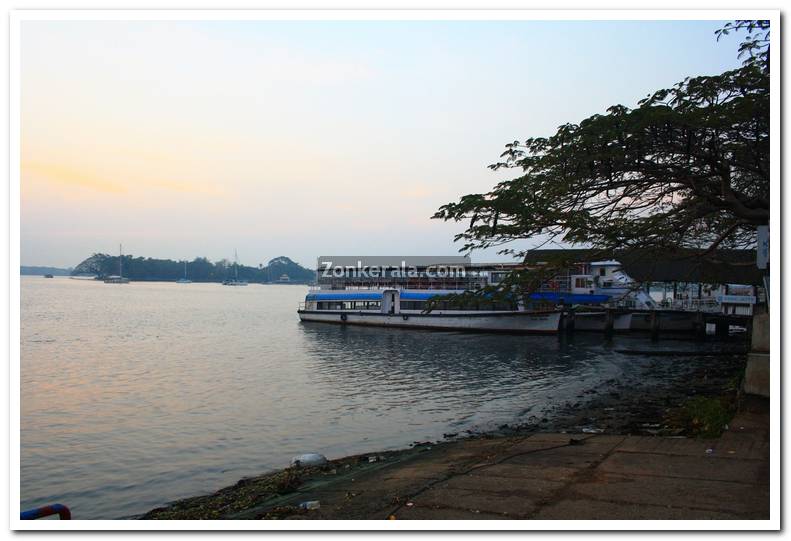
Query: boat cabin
x=394 y=301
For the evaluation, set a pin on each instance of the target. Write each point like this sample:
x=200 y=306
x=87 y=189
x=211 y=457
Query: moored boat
x=235 y=281
x=119 y=279
x=406 y=309
x=597 y=321
x=184 y=280
x=667 y=320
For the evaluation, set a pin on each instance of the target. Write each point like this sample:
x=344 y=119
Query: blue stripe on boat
x=418 y=295
x=570 y=298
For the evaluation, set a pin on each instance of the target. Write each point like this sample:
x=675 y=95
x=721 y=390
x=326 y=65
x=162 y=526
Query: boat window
x=413 y=305
x=581 y=282
x=334 y=305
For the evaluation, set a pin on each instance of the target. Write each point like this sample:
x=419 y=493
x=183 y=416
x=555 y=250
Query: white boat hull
x=668 y=321
x=509 y=322
x=597 y=321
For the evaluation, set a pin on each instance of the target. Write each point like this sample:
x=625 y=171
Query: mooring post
x=750 y=329
x=609 y=321
x=569 y=314
x=654 y=325
x=700 y=326
x=722 y=327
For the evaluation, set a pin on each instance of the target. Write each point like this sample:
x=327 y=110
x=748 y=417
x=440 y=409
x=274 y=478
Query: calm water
x=136 y=395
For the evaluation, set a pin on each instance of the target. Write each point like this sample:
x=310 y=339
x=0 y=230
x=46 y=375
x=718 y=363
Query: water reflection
x=482 y=378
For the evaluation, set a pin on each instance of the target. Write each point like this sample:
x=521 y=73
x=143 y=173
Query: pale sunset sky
x=185 y=139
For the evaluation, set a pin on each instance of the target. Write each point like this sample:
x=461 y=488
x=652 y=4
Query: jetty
x=565 y=291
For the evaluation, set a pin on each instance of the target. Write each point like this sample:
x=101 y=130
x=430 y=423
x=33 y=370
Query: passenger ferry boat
x=405 y=308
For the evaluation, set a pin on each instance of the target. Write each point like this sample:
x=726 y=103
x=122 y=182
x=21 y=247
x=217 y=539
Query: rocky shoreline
x=651 y=401
x=648 y=403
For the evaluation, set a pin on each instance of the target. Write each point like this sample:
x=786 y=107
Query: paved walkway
x=561 y=476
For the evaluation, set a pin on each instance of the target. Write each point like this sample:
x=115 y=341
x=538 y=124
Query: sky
x=305 y=138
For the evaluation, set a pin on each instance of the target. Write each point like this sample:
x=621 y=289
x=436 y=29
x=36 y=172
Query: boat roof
x=373 y=295
x=406 y=295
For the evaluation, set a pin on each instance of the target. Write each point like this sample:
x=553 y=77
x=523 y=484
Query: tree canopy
x=687 y=167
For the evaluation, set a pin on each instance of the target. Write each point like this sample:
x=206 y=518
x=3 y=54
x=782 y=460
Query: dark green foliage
x=687 y=168
x=198 y=270
x=706 y=416
x=283 y=265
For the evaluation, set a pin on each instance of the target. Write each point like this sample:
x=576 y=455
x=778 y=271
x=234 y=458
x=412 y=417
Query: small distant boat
x=49 y=276
x=184 y=280
x=120 y=278
x=235 y=281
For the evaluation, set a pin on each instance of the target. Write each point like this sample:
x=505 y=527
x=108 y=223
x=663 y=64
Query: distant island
x=43 y=271
x=278 y=270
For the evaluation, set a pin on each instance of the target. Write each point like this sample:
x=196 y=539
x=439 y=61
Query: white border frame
x=18 y=16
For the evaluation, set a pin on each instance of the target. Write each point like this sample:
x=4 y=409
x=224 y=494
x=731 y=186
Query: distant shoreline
x=33 y=270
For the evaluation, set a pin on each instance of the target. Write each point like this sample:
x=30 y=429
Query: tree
x=687 y=168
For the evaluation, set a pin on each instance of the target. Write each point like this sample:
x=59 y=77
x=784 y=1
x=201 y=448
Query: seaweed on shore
x=267 y=495
x=246 y=493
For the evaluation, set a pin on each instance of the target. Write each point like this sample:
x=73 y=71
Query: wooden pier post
x=700 y=326
x=654 y=325
x=750 y=329
x=722 y=327
x=568 y=319
x=609 y=321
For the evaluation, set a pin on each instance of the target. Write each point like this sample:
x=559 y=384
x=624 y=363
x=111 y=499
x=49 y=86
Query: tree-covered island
x=199 y=269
